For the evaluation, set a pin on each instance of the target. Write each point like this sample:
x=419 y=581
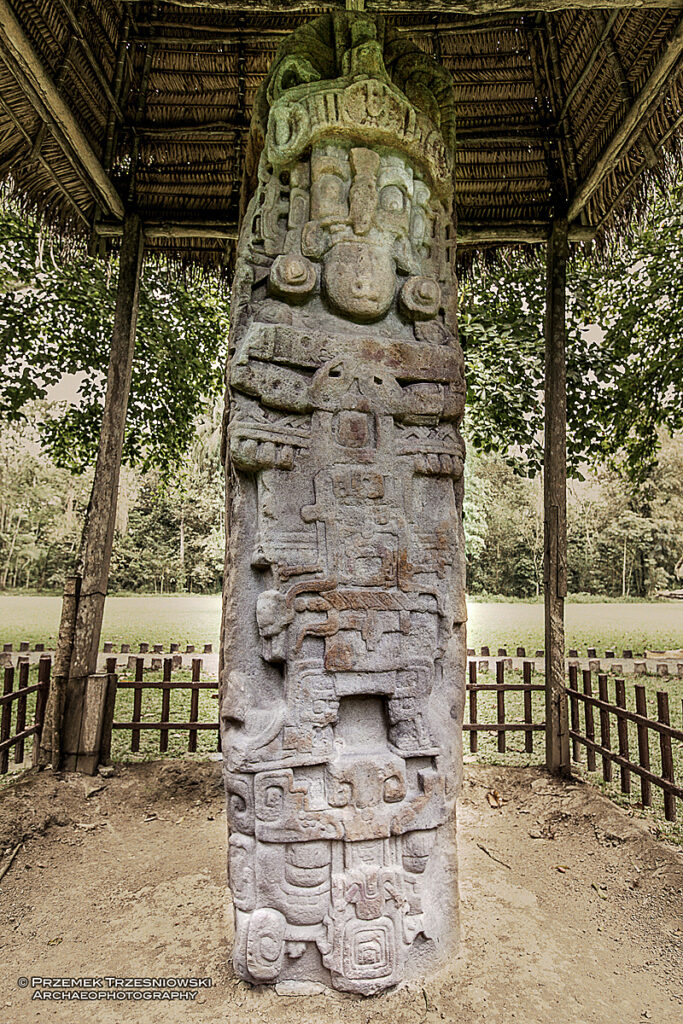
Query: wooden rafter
x=632 y=125
x=590 y=63
x=546 y=111
x=623 y=86
x=74 y=20
x=44 y=163
x=560 y=92
x=40 y=91
x=139 y=114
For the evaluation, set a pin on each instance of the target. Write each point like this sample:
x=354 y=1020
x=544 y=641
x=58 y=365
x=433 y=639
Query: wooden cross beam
x=18 y=53
x=315 y=7
x=468 y=234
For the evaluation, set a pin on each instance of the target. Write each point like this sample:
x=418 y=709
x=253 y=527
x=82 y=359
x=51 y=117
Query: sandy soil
x=571 y=910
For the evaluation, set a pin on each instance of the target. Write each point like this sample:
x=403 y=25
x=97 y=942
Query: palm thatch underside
x=587 y=101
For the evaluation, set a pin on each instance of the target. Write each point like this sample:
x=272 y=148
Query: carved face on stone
x=369 y=217
x=359 y=280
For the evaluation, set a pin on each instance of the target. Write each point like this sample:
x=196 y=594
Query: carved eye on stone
x=391 y=199
x=292 y=277
x=421 y=298
x=313 y=240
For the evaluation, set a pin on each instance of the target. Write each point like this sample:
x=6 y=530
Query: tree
x=624 y=349
x=56 y=315
x=41 y=510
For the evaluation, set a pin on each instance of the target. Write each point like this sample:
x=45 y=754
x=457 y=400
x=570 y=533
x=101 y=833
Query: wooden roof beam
x=631 y=126
x=314 y=7
x=469 y=234
x=155 y=230
x=43 y=96
x=510 y=234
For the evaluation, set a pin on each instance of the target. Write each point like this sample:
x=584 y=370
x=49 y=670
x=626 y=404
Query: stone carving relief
x=343 y=653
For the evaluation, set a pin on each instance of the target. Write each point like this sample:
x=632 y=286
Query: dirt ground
x=571 y=910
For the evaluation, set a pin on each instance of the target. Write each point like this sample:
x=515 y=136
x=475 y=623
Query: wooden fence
x=610 y=731
x=14 y=708
x=633 y=733
x=475 y=723
x=164 y=724
x=501 y=726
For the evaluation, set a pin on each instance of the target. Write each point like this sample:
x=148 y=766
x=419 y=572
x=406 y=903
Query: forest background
x=625 y=402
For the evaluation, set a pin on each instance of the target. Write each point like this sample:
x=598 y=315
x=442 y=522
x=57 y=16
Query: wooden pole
x=51 y=737
x=98 y=532
x=555 y=499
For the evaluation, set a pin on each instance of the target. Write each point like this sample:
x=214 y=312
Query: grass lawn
x=195 y=619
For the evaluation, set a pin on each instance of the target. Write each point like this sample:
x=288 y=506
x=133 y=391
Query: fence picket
x=666 y=753
x=194 y=705
x=474 y=735
x=528 y=713
x=590 y=721
x=6 y=718
x=500 y=704
x=574 y=709
x=137 y=704
x=165 y=706
x=622 y=733
x=605 y=733
x=643 y=745
x=21 y=713
x=44 y=672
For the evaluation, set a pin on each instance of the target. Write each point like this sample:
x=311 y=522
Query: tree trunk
x=8 y=563
x=98 y=531
x=181 y=553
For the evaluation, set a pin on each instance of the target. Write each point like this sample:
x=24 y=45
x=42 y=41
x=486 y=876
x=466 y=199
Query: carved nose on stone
x=363 y=289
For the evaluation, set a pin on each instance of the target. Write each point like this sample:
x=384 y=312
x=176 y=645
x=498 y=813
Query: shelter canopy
x=108 y=105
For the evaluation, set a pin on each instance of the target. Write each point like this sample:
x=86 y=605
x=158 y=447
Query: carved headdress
x=345 y=46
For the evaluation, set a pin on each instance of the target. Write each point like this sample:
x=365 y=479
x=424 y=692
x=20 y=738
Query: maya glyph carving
x=343 y=647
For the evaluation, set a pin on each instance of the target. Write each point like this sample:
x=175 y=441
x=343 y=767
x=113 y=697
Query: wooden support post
x=555 y=499
x=50 y=750
x=98 y=532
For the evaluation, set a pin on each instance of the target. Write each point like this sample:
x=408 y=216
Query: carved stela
x=343 y=651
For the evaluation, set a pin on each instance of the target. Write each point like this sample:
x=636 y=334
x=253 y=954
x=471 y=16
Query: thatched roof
x=159 y=95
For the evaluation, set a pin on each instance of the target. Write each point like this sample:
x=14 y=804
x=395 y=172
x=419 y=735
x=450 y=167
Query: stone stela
x=343 y=650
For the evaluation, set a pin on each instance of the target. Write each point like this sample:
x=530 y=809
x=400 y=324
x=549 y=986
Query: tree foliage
x=624 y=350
x=56 y=318
x=169 y=530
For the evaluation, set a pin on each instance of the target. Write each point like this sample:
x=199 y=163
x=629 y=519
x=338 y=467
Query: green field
x=196 y=620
